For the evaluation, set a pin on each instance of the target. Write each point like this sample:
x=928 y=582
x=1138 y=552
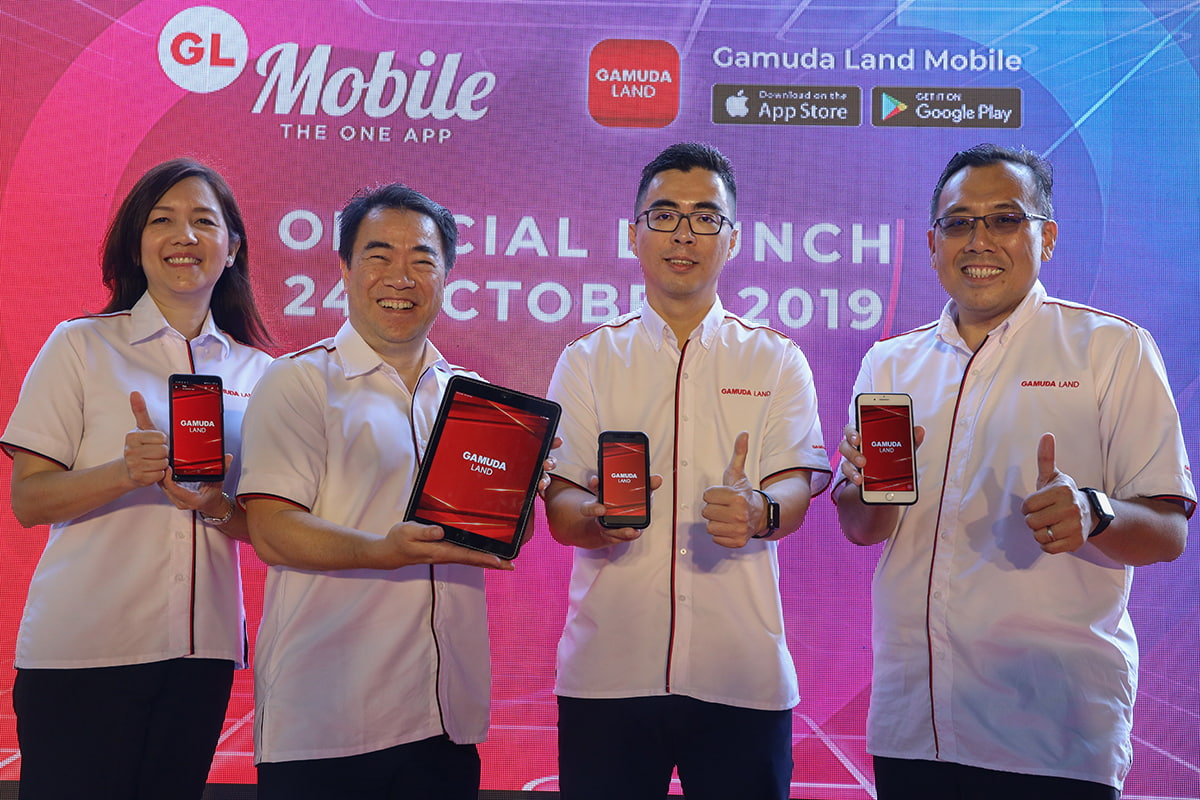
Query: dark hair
x=401 y=198
x=982 y=155
x=232 y=302
x=684 y=157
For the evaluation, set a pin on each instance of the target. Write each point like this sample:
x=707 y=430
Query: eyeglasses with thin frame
x=1002 y=222
x=666 y=220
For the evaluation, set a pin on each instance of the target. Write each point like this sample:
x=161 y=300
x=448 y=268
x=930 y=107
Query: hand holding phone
x=624 y=471
x=197 y=450
x=886 y=441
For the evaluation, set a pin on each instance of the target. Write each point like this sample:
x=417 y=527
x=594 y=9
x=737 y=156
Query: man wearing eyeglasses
x=674 y=653
x=1050 y=462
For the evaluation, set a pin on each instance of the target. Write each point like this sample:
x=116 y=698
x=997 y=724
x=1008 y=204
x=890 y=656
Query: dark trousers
x=145 y=731
x=431 y=769
x=627 y=748
x=905 y=779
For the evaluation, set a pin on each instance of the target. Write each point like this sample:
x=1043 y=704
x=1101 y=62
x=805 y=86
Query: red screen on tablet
x=480 y=471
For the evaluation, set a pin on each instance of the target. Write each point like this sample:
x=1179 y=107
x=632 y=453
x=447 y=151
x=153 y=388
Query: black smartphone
x=197 y=428
x=885 y=431
x=624 y=470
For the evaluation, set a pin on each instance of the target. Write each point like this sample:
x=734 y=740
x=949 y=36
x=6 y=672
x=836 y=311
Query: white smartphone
x=886 y=439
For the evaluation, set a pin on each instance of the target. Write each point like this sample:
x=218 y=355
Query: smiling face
x=394 y=282
x=988 y=274
x=186 y=245
x=681 y=268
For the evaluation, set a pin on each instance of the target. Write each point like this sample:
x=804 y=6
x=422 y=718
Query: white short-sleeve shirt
x=672 y=612
x=987 y=651
x=136 y=580
x=355 y=661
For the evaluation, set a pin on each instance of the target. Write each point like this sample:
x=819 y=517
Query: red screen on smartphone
x=197 y=429
x=886 y=438
x=624 y=479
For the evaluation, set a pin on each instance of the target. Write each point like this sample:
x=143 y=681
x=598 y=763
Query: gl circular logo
x=203 y=49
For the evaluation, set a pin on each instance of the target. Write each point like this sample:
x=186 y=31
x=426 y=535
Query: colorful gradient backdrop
x=512 y=118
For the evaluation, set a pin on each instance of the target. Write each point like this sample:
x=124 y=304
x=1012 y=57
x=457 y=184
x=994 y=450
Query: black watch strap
x=1102 y=510
x=772 y=516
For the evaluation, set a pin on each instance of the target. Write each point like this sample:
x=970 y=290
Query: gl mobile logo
x=203 y=49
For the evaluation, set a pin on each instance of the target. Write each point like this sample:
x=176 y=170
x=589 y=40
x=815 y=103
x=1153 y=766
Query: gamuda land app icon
x=633 y=83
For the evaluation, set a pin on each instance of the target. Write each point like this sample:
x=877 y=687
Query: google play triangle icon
x=890 y=106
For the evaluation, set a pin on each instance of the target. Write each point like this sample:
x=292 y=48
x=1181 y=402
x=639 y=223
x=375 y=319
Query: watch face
x=772 y=510
x=1100 y=503
x=772 y=515
x=1102 y=510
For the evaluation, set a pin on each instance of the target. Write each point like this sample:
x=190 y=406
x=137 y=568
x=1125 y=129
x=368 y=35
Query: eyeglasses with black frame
x=1002 y=222
x=666 y=220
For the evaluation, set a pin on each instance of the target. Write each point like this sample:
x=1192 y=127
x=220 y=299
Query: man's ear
x=1049 y=238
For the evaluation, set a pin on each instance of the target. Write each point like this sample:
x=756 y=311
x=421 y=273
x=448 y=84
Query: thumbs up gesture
x=1047 y=471
x=733 y=510
x=1057 y=511
x=145 y=446
x=147 y=462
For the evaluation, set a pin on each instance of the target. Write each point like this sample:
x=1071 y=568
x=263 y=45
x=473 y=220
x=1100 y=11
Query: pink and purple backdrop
x=530 y=120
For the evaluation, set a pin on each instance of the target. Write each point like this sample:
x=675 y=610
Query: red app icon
x=634 y=83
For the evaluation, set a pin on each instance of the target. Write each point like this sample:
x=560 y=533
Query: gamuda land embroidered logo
x=744 y=391
x=633 y=83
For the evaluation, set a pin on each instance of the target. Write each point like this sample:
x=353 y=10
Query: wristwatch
x=1102 y=510
x=772 y=516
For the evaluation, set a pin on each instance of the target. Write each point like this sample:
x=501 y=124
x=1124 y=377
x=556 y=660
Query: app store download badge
x=634 y=83
x=746 y=104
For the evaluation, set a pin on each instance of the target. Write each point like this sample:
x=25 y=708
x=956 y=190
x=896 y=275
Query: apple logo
x=735 y=104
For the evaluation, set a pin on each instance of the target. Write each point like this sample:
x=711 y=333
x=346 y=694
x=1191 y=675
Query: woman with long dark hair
x=133 y=623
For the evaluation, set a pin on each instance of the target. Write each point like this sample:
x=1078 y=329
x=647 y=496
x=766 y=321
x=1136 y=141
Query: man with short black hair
x=674 y=652
x=372 y=665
